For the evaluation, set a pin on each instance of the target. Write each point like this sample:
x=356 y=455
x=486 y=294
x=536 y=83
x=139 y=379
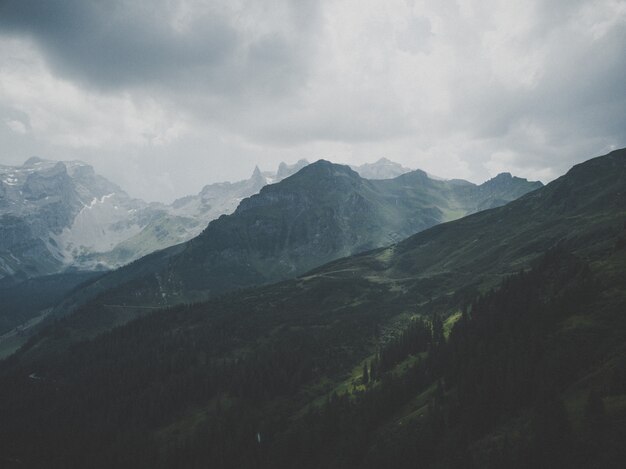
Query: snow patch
x=11 y=179
x=98 y=201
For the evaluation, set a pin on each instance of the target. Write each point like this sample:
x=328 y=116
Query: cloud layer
x=164 y=96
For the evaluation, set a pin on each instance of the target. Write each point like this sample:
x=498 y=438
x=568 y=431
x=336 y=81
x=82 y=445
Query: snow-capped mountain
x=56 y=215
x=381 y=169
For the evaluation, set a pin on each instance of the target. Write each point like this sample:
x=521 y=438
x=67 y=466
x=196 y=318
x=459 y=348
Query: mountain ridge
x=83 y=221
x=524 y=299
x=323 y=212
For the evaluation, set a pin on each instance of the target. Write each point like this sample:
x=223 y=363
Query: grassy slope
x=437 y=269
x=322 y=213
x=347 y=303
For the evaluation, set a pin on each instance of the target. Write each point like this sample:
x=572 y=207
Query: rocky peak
x=256 y=173
x=48 y=182
x=282 y=169
x=504 y=180
x=416 y=175
x=32 y=161
x=502 y=177
x=323 y=170
x=381 y=169
x=257 y=179
x=285 y=170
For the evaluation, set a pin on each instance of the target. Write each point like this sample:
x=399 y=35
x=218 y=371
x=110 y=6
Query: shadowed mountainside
x=323 y=212
x=277 y=360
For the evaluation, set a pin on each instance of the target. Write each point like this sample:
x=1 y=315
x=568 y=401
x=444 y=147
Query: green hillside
x=323 y=212
x=497 y=340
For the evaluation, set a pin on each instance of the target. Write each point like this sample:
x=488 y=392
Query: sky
x=164 y=96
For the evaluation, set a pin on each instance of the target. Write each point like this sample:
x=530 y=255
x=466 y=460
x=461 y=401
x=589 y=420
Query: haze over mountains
x=320 y=213
x=56 y=215
x=59 y=215
x=323 y=212
x=337 y=363
x=381 y=169
x=327 y=212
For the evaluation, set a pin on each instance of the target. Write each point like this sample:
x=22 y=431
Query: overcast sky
x=164 y=96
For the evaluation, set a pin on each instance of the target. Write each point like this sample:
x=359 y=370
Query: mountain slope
x=185 y=218
x=323 y=212
x=44 y=209
x=27 y=302
x=60 y=215
x=284 y=363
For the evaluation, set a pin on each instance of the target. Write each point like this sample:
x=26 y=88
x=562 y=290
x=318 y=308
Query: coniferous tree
x=438 y=337
x=366 y=376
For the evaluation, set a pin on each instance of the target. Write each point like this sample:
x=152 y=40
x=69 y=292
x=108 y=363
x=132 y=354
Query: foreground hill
x=352 y=365
x=323 y=212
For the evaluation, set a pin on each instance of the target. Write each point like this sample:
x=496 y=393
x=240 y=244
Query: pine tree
x=438 y=337
x=366 y=376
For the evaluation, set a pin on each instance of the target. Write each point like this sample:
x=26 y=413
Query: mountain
x=381 y=169
x=284 y=171
x=496 y=340
x=182 y=220
x=52 y=213
x=60 y=215
x=60 y=220
x=323 y=212
x=186 y=217
x=56 y=216
x=385 y=169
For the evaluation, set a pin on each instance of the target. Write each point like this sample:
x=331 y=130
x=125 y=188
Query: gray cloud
x=133 y=44
x=177 y=93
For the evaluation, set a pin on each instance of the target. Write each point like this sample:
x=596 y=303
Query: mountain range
x=323 y=212
x=57 y=215
x=60 y=214
x=479 y=342
x=77 y=222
